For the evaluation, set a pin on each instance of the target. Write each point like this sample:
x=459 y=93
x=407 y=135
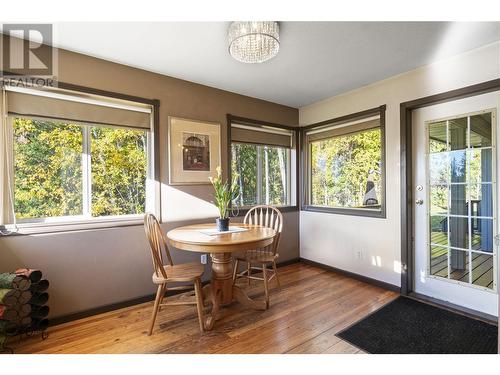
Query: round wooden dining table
x=221 y=246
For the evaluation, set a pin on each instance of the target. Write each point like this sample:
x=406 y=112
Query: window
x=262 y=159
x=119 y=166
x=47 y=169
x=74 y=158
x=263 y=174
x=55 y=175
x=345 y=166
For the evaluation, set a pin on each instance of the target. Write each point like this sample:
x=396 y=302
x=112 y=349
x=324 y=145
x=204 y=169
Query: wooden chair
x=270 y=217
x=186 y=273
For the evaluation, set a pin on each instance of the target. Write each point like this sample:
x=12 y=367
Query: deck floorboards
x=482 y=264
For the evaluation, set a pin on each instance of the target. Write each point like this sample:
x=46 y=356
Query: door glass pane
x=438 y=168
x=458 y=199
x=459 y=232
x=459 y=265
x=480 y=165
x=439 y=230
x=439 y=199
x=481 y=199
x=439 y=261
x=482 y=235
x=461 y=199
x=457 y=133
x=457 y=166
x=437 y=137
x=480 y=130
x=482 y=270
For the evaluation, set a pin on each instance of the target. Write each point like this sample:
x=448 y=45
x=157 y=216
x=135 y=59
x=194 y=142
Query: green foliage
x=47 y=165
x=262 y=174
x=119 y=166
x=340 y=168
x=244 y=164
x=224 y=193
x=276 y=183
x=48 y=172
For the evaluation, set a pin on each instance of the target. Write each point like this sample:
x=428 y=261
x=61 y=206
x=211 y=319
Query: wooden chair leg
x=235 y=270
x=161 y=300
x=276 y=275
x=249 y=272
x=159 y=297
x=266 y=290
x=199 y=304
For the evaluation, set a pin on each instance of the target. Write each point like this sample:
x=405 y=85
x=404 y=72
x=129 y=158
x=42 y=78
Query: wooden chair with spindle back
x=185 y=273
x=269 y=217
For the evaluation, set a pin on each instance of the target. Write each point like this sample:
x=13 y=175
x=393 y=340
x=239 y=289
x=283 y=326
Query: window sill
x=364 y=212
x=243 y=210
x=75 y=225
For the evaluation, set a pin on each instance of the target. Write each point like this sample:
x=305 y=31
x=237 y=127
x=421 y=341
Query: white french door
x=455 y=213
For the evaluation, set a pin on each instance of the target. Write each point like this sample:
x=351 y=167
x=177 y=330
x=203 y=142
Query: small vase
x=222 y=224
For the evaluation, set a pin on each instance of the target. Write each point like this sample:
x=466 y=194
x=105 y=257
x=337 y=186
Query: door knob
x=419 y=202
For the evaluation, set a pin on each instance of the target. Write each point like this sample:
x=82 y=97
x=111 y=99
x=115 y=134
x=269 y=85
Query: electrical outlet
x=359 y=254
x=204 y=259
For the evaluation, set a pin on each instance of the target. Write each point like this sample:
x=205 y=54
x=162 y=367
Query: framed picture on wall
x=194 y=151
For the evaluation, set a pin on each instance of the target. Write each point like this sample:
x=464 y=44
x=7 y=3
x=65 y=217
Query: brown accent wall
x=94 y=268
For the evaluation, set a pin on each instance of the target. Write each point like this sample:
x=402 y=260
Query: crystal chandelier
x=254 y=41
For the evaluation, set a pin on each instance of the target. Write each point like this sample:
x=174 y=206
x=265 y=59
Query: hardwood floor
x=304 y=317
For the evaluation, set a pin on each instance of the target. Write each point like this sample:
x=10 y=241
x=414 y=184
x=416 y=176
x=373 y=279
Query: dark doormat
x=406 y=326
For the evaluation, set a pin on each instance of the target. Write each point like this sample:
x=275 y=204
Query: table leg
x=243 y=298
x=221 y=290
x=222 y=276
x=213 y=297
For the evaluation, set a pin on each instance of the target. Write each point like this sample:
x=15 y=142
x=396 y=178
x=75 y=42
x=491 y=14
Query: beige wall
x=335 y=240
x=88 y=269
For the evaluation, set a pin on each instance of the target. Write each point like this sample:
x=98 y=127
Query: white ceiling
x=316 y=59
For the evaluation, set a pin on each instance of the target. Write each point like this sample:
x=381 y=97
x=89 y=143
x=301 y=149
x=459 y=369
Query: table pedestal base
x=221 y=290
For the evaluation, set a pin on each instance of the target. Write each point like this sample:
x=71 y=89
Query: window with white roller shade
x=74 y=157
x=81 y=108
x=261 y=157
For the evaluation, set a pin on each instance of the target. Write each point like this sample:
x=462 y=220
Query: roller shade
x=262 y=135
x=344 y=129
x=75 y=108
